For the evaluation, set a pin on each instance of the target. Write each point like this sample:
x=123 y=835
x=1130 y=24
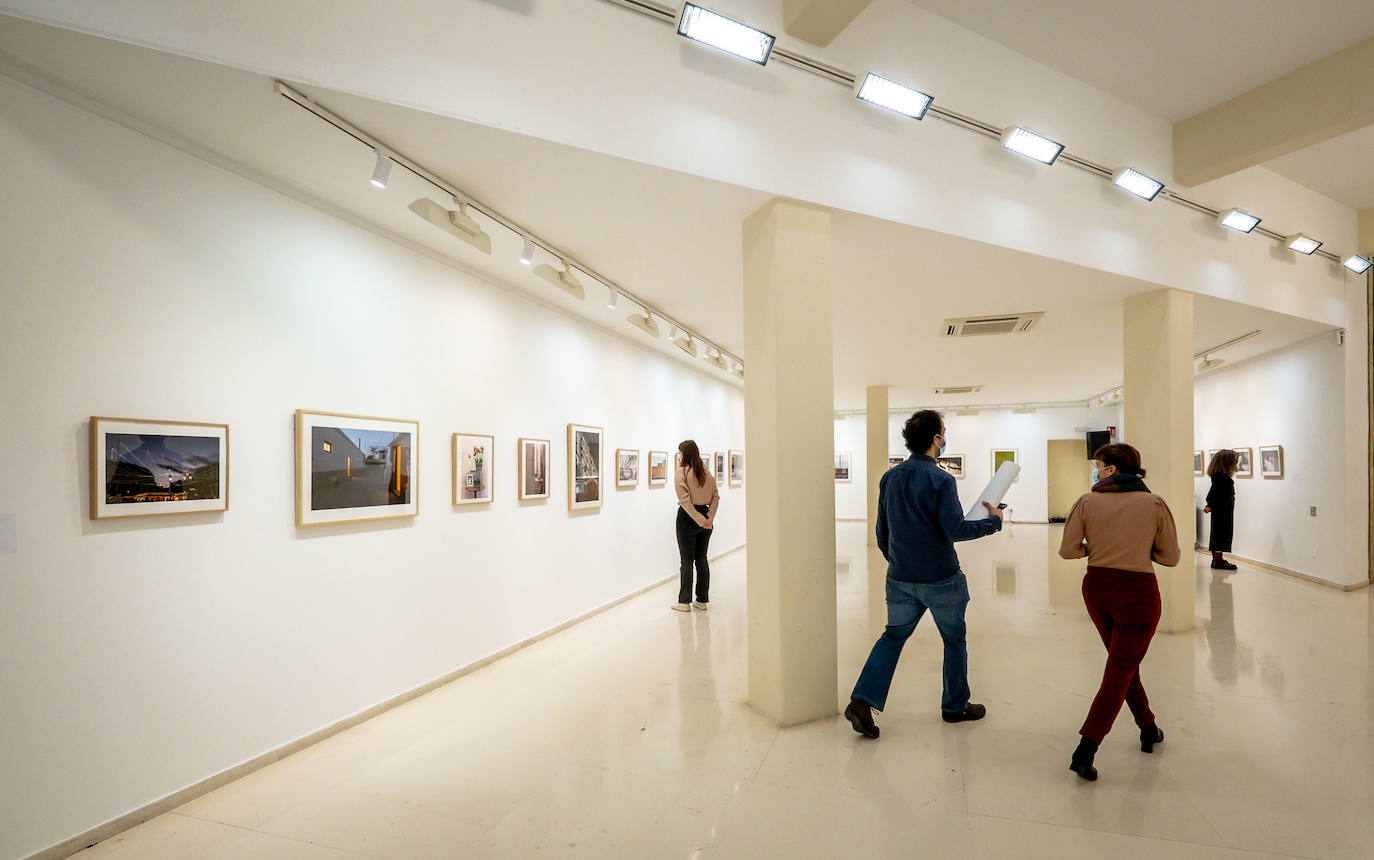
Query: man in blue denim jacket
x=919 y=521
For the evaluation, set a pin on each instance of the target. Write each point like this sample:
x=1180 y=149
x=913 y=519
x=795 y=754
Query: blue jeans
x=906 y=603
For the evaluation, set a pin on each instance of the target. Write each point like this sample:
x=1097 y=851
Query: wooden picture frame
x=626 y=467
x=844 y=467
x=1271 y=461
x=1245 y=465
x=658 y=468
x=1199 y=464
x=474 y=468
x=586 y=445
x=355 y=468
x=533 y=457
x=952 y=463
x=132 y=472
x=736 y=468
x=720 y=468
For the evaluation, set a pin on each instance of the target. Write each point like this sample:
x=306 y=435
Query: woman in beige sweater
x=697 y=500
x=1122 y=528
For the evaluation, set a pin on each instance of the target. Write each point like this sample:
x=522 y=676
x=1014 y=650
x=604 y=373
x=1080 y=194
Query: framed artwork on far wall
x=146 y=468
x=952 y=463
x=1271 y=461
x=658 y=468
x=844 y=461
x=1003 y=455
x=720 y=468
x=533 y=457
x=736 y=468
x=1199 y=465
x=473 y=468
x=626 y=467
x=1245 y=466
x=351 y=468
x=1211 y=453
x=584 y=467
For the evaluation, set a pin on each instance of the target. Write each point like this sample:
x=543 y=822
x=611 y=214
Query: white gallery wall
x=1293 y=398
x=140 y=656
x=975 y=437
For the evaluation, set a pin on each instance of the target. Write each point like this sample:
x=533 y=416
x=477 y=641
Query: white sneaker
x=682 y=607
x=699 y=605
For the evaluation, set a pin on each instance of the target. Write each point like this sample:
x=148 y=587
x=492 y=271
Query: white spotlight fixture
x=1137 y=183
x=382 y=172
x=1031 y=145
x=459 y=223
x=645 y=323
x=724 y=34
x=527 y=252
x=612 y=296
x=886 y=93
x=1235 y=219
x=1209 y=363
x=1302 y=244
x=714 y=357
x=564 y=280
x=686 y=343
x=1357 y=264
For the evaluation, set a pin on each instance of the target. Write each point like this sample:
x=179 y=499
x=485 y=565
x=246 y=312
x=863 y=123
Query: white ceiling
x=1341 y=168
x=672 y=238
x=1173 y=58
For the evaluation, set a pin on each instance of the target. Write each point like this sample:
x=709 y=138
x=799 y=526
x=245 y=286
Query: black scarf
x=1121 y=483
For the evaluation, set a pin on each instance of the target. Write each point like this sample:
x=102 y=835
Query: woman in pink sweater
x=1122 y=528
x=697 y=500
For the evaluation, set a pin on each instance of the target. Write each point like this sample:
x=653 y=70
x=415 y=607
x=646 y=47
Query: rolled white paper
x=995 y=491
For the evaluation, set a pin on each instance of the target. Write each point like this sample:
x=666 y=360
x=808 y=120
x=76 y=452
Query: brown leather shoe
x=972 y=712
x=860 y=716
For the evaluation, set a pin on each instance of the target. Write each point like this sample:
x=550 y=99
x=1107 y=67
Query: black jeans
x=691 y=547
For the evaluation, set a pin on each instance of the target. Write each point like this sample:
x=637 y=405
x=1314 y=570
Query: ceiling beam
x=1332 y=96
x=819 y=21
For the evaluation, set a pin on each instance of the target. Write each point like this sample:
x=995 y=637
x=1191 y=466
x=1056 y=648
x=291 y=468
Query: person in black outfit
x=1221 y=504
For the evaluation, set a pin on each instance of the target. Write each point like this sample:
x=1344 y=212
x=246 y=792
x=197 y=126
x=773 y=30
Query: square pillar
x=876 y=448
x=1158 y=363
x=790 y=434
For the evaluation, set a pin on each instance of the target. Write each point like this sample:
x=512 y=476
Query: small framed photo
x=1244 y=466
x=1211 y=455
x=736 y=468
x=146 y=468
x=844 y=460
x=720 y=468
x=533 y=457
x=658 y=468
x=952 y=463
x=626 y=467
x=1271 y=461
x=584 y=467
x=473 y=468
x=1199 y=464
x=351 y=468
x=1003 y=455
x=894 y=460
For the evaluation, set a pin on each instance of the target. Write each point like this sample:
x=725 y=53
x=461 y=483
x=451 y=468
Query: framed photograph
x=658 y=468
x=584 y=467
x=1003 y=455
x=736 y=468
x=146 y=468
x=533 y=457
x=626 y=468
x=1271 y=461
x=720 y=468
x=952 y=463
x=893 y=460
x=1199 y=464
x=351 y=468
x=844 y=460
x=1245 y=468
x=1211 y=453
x=473 y=468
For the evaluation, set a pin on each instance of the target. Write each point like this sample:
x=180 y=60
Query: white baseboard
x=1283 y=571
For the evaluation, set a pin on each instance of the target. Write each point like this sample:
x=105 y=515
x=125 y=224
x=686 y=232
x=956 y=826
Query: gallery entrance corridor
x=628 y=736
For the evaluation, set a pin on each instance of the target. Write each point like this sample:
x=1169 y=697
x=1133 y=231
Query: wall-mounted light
x=686 y=343
x=564 y=280
x=714 y=357
x=458 y=223
x=1235 y=219
x=1357 y=264
x=382 y=172
x=1302 y=244
x=645 y=323
x=1137 y=183
x=1031 y=145
x=724 y=34
x=886 y=93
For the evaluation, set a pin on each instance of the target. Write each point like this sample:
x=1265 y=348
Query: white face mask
x=943 y=443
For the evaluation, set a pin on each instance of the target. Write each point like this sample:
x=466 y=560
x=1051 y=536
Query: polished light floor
x=629 y=736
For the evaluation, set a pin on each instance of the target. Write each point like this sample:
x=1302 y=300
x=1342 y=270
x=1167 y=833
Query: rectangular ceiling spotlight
x=1031 y=145
x=724 y=34
x=1357 y=264
x=886 y=93
x=1242 y=222
x=1137 y=183
x=1302 y=244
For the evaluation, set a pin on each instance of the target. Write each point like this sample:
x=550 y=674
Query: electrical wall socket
x=1312 y=510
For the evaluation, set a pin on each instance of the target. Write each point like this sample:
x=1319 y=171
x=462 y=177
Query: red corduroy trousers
x=1125 y=607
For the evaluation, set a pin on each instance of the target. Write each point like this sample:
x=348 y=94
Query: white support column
x=790 y=436
x=876 y=447
x=1359 y=477
x=1158 y=349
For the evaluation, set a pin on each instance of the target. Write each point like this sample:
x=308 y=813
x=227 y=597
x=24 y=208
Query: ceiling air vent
x=1003 y=324
x=959 y=389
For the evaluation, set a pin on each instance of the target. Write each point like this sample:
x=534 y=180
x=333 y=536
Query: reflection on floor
x=627 y=736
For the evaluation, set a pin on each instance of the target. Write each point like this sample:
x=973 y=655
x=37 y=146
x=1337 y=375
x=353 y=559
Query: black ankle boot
x=1149 y=736
x=1082 y=761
